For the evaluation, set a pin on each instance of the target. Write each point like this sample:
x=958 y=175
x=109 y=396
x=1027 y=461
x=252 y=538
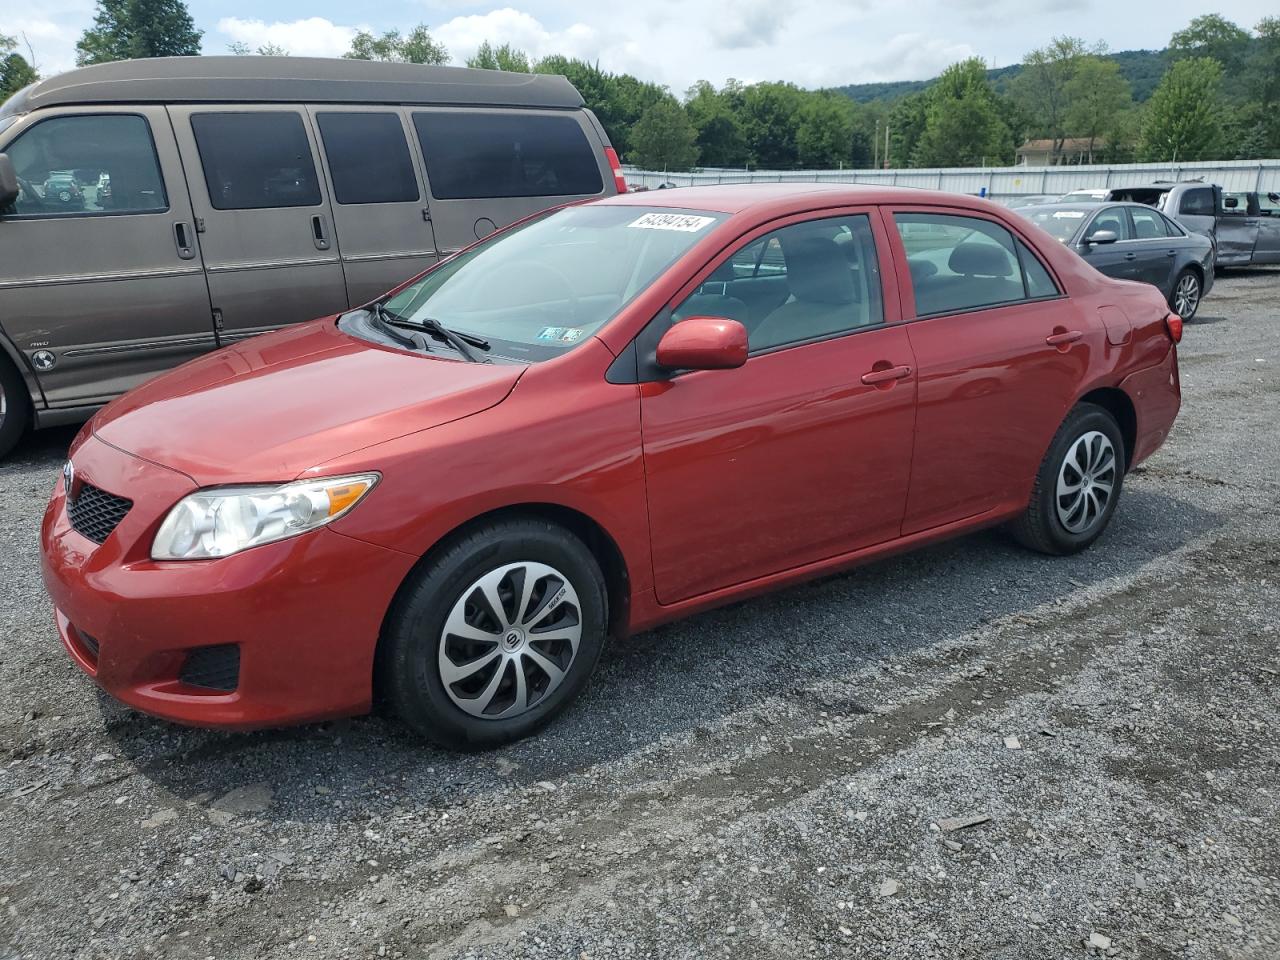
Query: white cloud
x=463 y=35
x=312 y=37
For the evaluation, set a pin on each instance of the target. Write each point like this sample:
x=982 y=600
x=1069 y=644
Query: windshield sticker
x=1068 y=214
x=682 y=222
x=561 y=334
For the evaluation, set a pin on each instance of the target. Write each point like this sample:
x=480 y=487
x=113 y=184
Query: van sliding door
x=379 y=203
x=263 y=215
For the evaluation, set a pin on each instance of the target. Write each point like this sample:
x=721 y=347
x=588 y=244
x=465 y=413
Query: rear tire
x=1078 y=484
x=15 y=407
x=469 y=672
x=1188 y=290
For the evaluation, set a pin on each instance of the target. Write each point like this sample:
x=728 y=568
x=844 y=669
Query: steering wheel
x=543 y=271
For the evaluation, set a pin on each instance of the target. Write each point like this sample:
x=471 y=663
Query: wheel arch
x=10 y=353
x=1118 y=403
x=604 y=548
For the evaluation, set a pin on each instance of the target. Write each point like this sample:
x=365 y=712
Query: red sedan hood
x=270 y=407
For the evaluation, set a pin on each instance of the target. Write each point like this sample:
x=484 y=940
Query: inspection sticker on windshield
x=683 y=222
x=560 y=334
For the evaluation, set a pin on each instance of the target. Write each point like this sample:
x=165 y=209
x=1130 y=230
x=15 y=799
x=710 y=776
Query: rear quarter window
x=474 y=155
x=1197 y=203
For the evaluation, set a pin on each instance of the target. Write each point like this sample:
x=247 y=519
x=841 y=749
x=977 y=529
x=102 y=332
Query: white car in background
x=1083 y=195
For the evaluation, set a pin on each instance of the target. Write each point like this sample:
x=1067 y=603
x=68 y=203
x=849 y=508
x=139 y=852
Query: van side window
x=368 y=157
x=475 y=155
x=255 y=160
x=87 y=165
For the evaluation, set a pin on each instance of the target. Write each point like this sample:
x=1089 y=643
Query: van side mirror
x=703 y=343
x=8 y=181
x=1102 y=236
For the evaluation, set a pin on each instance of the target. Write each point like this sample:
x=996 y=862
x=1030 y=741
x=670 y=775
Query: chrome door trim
x=131 y=346
x=398 y=255
x=156 y=274
x=271 y=264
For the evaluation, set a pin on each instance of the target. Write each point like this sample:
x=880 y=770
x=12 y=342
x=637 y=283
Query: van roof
x=291 y=80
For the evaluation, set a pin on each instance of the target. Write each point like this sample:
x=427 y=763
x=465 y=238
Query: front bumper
x=304 y=613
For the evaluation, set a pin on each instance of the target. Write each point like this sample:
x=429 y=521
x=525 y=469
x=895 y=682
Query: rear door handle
x=872 y=377
x=1067 y=336
x=1171 y=253
x=182 y=240
x=1131 y=256
x=320 y=232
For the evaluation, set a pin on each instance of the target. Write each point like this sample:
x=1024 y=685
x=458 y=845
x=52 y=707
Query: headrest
x=980 y=260
x=816 y=270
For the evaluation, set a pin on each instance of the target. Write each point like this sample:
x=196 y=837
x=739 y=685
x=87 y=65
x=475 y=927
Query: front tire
x=1187 y=292
x=1078 y=484
x=496 y=635
x=15 y=407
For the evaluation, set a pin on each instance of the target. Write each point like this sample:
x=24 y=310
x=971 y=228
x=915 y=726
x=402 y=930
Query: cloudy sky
x=675 y=42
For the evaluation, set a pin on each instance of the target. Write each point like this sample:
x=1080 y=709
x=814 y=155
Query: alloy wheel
x=1086 y=482
x=510 y=640
x=1187 y=296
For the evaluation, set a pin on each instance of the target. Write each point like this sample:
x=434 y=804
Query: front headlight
x=225 y=520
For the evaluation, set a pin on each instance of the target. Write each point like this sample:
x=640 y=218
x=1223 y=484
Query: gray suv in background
x=152 y=210
x=1244 y=226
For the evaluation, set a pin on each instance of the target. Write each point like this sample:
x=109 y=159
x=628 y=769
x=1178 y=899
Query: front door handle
x=885 y=374
x=1066 y=336
x=1131 y=256
x=320 y=232
x=182 y=240
x=1171 y=253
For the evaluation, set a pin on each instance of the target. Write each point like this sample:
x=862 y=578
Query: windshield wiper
x=462 y=342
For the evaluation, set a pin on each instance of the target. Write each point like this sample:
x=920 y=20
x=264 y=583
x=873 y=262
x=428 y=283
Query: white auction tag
x=683 y=222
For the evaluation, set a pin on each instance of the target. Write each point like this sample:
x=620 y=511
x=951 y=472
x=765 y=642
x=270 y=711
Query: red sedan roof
x=736 y=198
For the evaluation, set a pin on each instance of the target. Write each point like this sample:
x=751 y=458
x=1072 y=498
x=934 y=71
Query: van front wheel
x=15 y=407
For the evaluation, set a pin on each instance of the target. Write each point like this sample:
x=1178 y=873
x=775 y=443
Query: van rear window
x=255 y=160
x=473 y=155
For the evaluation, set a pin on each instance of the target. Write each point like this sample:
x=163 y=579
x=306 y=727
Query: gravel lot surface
x=778 y=779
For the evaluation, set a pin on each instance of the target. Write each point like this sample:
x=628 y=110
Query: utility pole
x=886 y=144
x=875 y=147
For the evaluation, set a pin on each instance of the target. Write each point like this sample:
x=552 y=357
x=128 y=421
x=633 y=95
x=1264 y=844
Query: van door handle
x=182 y=239
x=885 y=374
x=1066 y=336
x=320 y=232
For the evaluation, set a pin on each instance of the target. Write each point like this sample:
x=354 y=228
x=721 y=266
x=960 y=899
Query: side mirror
x=8 y=181
x=703 y=343
x=1230 y=203
x=1102 y=236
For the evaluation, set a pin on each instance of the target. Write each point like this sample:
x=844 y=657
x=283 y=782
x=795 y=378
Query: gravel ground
x=778 y=779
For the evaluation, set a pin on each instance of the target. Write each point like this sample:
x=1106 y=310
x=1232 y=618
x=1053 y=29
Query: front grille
x=94 y=513
x=215 y=668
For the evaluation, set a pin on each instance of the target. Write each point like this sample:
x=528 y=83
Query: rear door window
x=368 y=157
x=489 y=154
x=256 y=160
x=1147 y=224
x=1197 y=202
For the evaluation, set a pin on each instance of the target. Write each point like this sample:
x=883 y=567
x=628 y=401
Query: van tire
x=416 y=640
x=15 y=407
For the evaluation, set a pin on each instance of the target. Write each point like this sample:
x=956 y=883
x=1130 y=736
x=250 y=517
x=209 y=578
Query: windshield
x=1059 y=222
x=543 y=288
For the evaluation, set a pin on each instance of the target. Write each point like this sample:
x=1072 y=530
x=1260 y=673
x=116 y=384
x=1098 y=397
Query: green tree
x=721 y=142
x=1212 y=36
x=1042 y=87
x=1183 y=115
x=1097 y=95
x=664 y=138
x=15 y=71
x=505 y=57
x=418 y=47
x=268 y=49
x=824 y=134
x=132 y=29
x=963 y=126
x=1262 y=76
x=906 y=121
x=770 y=120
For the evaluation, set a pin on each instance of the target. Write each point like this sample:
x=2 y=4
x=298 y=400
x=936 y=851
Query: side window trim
x=82 y=214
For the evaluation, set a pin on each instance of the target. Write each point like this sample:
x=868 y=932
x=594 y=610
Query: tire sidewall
x=416 y=626
x=1084 y=419
x=1199 y=293
x=18 y=405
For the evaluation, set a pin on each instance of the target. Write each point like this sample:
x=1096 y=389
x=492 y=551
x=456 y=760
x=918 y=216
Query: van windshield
x=542 y=288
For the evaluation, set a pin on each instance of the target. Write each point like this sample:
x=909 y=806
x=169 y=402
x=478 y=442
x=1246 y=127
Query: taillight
x=1174 y=323
x=619 y=181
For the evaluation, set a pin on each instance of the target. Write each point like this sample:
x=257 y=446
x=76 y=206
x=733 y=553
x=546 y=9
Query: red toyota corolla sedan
x=604 y=417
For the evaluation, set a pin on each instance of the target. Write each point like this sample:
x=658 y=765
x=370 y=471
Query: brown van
x=152 y=210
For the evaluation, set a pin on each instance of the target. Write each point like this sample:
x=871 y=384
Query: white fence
x=1000 y=183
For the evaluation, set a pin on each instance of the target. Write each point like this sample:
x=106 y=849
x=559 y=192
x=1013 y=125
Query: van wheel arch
x=603 y=548
x=18 y=405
